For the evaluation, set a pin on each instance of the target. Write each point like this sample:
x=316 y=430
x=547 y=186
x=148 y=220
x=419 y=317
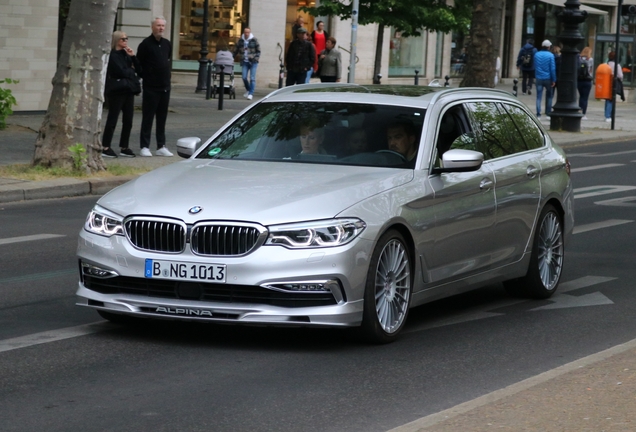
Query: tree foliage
x=407 y=16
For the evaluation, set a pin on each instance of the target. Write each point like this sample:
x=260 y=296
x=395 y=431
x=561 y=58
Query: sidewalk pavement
x=591 y=394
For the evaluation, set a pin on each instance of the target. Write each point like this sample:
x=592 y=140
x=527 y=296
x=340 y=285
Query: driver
x=401 y=138
x=311 y=137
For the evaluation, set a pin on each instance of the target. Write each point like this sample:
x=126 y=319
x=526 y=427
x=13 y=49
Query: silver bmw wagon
x=336 y=205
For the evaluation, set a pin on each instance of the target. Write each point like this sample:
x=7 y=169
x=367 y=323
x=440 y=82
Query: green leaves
x=7 y=101
x=407 y=16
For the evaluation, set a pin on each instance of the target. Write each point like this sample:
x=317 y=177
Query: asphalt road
x=58 y=371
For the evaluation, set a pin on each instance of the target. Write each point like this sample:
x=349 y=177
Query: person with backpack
x=525 y=63
x=584 y=78
x=545 y=71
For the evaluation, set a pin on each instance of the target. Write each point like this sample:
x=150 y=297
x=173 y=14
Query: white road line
x=583 y=282
x=513 y=389
x=598 y=225
x=53 y=335
x=29 y=238
x=596 y=167
x=597 y=155
x=591 y=191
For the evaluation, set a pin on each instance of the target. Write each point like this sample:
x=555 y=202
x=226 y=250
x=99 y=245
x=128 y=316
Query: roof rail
x=293 y=88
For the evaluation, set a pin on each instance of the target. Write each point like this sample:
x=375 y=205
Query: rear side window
x=503 y=129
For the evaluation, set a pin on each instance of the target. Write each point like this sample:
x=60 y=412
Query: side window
x=531 y=136
x=493 y=138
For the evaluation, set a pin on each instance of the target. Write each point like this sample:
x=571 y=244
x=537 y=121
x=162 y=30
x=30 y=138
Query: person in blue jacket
x=525 y=63
x=545 y=74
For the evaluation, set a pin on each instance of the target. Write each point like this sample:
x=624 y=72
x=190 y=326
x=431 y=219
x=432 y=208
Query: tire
x=387 y=294
x=546 y=261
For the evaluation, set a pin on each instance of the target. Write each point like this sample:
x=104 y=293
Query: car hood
x=264 y=192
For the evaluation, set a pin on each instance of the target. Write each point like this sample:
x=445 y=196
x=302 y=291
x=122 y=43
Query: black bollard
x=378 y=78
x=208 y=91
x=514 y=87
x=417 y=79
x=446 y=83
x=221 y=88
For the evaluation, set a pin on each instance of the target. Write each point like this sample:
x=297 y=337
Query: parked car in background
x=336 y=205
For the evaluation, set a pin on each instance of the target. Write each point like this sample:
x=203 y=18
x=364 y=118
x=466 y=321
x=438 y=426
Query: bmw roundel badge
x=195 y=210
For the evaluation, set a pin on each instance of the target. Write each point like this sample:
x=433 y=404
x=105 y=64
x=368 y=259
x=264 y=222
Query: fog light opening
x=91 y=270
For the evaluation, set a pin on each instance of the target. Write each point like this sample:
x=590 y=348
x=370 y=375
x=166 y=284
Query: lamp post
x=203 y=58
x=565 y=115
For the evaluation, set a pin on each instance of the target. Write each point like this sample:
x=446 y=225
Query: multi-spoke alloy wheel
x=550 y=250
x=546 y=261
x=388 y=290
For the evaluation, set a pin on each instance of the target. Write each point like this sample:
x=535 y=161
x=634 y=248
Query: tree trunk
x=377 y=66
x=485 y=31
x=75 y=107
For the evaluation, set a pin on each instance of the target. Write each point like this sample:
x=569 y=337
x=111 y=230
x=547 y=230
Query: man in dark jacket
x=525 y=63
x=300 y=58
x=155 y=54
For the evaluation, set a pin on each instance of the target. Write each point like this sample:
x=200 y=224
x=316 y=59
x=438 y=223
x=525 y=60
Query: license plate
x=175 y=270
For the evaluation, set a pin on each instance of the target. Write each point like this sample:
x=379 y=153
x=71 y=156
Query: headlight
x=317 y=234
x=101 y=221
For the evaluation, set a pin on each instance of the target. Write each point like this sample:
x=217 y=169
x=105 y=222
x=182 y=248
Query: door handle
x=532 y=171
x=485 y=184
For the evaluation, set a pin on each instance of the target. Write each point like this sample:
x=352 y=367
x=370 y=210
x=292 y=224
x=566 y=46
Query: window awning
x=588 y=9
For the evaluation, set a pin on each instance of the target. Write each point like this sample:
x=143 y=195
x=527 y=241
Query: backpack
x=584 y=71
x=526 y=58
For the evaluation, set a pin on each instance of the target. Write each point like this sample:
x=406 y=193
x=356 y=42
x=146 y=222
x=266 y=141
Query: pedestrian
x=556 y=52
x=314 y=66
x=584 y=78
x=122 y=85
x=249 y=50
x=545 y=74
x=617 y=84
x=155 y=54
x=300 y=22
x=299 y=59
x=319 y=36
x=330 y=62
x=525 y=63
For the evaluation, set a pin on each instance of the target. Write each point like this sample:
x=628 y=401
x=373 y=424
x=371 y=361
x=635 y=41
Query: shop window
x=225 y=26
x=406 y=54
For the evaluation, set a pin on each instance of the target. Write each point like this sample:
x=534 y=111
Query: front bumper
x=254 y=274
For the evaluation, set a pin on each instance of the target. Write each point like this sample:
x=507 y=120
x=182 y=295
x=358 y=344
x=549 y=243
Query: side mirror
x=187 y=146
x=458 y=160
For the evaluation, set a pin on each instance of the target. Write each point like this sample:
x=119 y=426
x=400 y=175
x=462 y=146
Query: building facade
x=29 y=39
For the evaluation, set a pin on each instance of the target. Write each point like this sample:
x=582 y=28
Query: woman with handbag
x=122 y=84
x=330 y=62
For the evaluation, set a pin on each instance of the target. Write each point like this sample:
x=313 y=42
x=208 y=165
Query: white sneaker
x=249 y=97
x=145 y=152
x=608 y=120
x=584 y=118
x=163 y=151
x=246 y=94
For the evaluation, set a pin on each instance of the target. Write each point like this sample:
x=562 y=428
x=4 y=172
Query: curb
x=59 y=188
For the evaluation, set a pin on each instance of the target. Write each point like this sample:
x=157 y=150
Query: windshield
x=317 y=132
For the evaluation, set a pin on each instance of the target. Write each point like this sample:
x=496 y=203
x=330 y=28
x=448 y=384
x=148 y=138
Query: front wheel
x=546 y=261
x=387 y=294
